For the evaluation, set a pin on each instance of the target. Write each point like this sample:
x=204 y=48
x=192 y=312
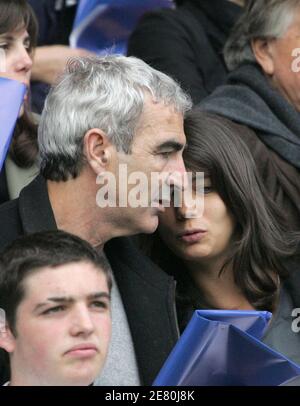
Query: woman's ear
x=7 y=339
x=262 y=50
x=97 y=150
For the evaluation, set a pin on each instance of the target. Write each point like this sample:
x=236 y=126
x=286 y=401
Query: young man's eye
x=55 y=309
x=99 y=304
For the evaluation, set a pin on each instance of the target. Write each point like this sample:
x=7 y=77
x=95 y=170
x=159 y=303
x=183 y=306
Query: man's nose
x=177 y=164
x=177 y=172
x=81 y=323
x=182 y=211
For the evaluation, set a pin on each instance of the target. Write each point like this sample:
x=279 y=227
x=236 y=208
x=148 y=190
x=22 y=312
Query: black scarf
x=248 y=98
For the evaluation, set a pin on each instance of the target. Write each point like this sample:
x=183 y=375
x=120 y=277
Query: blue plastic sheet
x=224 y=348
x=11 y=98
x=105 y=25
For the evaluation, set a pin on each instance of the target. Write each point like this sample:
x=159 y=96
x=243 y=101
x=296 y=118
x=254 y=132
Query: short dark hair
x=28 y=254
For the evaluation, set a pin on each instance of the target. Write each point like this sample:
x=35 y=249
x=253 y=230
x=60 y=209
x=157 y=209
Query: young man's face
x=63 y=327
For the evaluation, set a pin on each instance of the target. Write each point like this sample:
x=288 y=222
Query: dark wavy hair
x=262 y=242
x=15 y=15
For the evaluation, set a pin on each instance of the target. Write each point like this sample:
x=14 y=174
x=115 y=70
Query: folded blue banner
x=104 y=26
x=12 y=96
x=223 y=348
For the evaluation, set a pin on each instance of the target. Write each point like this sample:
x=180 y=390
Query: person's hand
x=50 y=61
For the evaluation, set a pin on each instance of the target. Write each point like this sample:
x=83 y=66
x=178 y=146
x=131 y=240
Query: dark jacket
x=247 y=98
x=148 y=294
x=4 y=196
x=187 y=43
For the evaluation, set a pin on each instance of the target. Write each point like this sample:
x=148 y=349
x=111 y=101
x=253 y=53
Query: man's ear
x=262 y=50
x=7 y=339
x=97 y=148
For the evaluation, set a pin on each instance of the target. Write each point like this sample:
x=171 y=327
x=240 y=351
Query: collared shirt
x=121 y=367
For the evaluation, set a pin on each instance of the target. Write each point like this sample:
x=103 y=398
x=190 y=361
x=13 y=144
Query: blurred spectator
x=187 y=42
x=55 y=18
x=18 y=31
x=263 y=91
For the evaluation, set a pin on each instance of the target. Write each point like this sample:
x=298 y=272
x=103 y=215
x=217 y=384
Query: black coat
x=148 y=293
x=4 y=196
x=187 y=43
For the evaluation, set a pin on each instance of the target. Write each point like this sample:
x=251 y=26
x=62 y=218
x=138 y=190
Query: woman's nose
x=23 y=60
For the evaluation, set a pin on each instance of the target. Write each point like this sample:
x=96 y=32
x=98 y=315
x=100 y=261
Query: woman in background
x=233 y=255
x=18 y=33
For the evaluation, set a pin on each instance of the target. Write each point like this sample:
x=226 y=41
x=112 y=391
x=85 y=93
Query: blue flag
x=12 y=97
x=103 y=26
x=223 y=348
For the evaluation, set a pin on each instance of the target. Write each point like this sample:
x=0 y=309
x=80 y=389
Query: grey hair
x=261 y=19
x=98 y=92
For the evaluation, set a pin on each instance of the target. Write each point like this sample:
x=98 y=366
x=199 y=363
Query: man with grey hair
x=105 y=114
x=263 y=93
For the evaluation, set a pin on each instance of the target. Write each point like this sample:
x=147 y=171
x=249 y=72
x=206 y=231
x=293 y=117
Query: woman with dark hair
x=233 y=255
x=18 y=33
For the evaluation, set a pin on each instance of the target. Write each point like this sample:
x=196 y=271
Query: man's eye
x=166 y=154
x=55 y=309
x=99 y=304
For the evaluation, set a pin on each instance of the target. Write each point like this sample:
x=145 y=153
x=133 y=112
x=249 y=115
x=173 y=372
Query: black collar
x=35 y=208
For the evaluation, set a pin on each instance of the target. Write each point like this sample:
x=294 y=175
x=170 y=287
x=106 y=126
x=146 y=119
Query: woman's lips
x=192 y=236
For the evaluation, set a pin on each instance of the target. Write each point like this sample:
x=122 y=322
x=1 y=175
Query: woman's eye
x=4 y=46
x=207 y=189
x=27 y=45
